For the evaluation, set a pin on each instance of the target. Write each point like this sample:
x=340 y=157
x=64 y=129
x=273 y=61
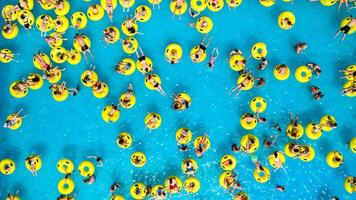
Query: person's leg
x=343 y=37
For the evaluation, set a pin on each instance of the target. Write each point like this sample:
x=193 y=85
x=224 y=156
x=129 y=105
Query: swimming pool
x=74 y=129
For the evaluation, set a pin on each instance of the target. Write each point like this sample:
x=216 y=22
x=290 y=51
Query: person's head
x=6 y=124
x=235 y=148
x=177 y=105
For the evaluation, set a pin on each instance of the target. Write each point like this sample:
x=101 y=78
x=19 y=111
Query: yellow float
x=27 y=4
x=58 y=40
x=86 y=168
x=258 y=104
x=17 y=124
x=126 y=66
x=47 y=6
x=328 y=2
x=173 y=7
x=347 y=85
x=237 y=62
x=206 y=144
x=215 y=7
x=193 y=162
x=61 y=24
x=13 y=197
x=14 y=90
x=178 y=105
x=233 y=4
x=281 y=76
x=74 y=57
x=249 y=143
x=65 y=186
x=25 y=18
x=55 y=75
x=345 y=21
x=352 y=145
x=259 y=50
x=117 y=197
x=276 y=159
x=6 y=55
x=311 y=133
x=65 y=166
x=303 y=74
x=9 y=12
x=110 y=118
x=130 y=45
x=173 y=53
x=194 y=52
x=244 y=76
x=241 y=196
x=178 y=181
x=7 y=34
x=228 y=162
x=117 y=35
x=61 y=96
x=126 y=4
x=138 y=159
x=127 y=103
x=104 y=91
x=248 y=125
x=138 y=191
x=297 y=134
x=157 y=122
x=44 y=23
x=334 y=159
x=267 y=3
x=198 y=5
x=260 y=175
x=183 y=139
x=226 y=176
x=36 y=160
x=288 y=150
x=158 y=190
x=124 y=140
x=349 y=72
x=204 y=25
x=89 y=78
x=328 y=123
x=191 y=185
x=59 y=55
x=64 y=10
x=140 y=69
x=148 y=84
x=79 y=20
x=129 y=31
x=286 y=16
x=7 y=166
x=103 y=3
x=349 y=184
x=95 y=12
x=310 y=155
x=35 y=81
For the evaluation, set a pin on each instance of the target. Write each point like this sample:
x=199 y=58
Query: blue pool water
x=74 y=129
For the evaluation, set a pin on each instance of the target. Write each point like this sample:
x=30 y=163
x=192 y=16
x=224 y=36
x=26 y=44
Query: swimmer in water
x=128 y=96
x=278 y=163
x=157 y=86
x=109 y=9
x=179 y=103
x=242 y=84
x=282 y=69
x=152 y=121
x=155 y=2
x=280 y=188
x=115 y=186
x=260 y=82
x=14 y=120
x=201 y=50
x=109 y=35
x=193 y=13
x=300 y=47
x=189 y=168
x=277 y=127
x=59 y=89
x=348 y=74
x=83 y=45
x=178 y=7
x=66 y=197
x=316 y=92
x=263 y=64
x=349 y=90
x=232 y=4
x=183 y=147
x=173 y=186
x=88 y=75
x=98 y=160
x=183 y=134
x=45 y=21
x=235 y=148
x=12 y=196
x=90 y=180
x=346 y=29
x=142 y=59
x=201 y=148
x=53 y=39
x=260 y=119
x=32 y=163
x=269 y=141
x=294 y=122
x=315 y=68
x=213 y=56
x=343 y=2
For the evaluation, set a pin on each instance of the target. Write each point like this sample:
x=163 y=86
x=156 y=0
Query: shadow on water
x=39 y=148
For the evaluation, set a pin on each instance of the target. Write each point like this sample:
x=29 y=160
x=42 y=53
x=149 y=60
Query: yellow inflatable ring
x=59 y=55
x=86 y=168
x=8 y=56
x=117 y=35
x=177 y=101
x=234 y=62
x=74 y=57
x=56 y=77
x=7 y=166
x=95 y=16
x=206 y=144
x=61 y=97
x=17 y=124
x=132 y=47
x=126 y=67
x=158 y=188
x=138 y=159
x=79 y=17
x=47 y=6
x=103 y=93
x=352 y=145
x=242 y=77
x=348 y=84
x=310 y=155
x=280 y=76
x=267 y=3
x=48 y=26
x=189 y=160
x=148 y=84
x=124 y=140
x=299 y=133
x=89 y=80
x=258 y=104
x=138 y=190
x=217 y=7
x=288 y=152
x=241 y=195
x=194 y=52
x=261 y=176
x=105 y=114
x=148 y=118
x=126 y=30
x=12 y=34
x=64 y=10
x=181 y=10
x=27 y=4
x=259 y=50
x=198 y=5
x=276 y=159
x=311 y=134
x=15 y=93
x=145 y=16
x=8 y=13
x=61 y=24
x=248 y=125
x=328 y=2
x=183 y=139
x=348 y=184
x=334 y=159
x=344 y=22
x=349 y=72
x=65 y=166
x=232 y=162
x=127 y=103
x=117 y=197
x=283 y=16
x=65 y=186
x=129 y=4
x=103 y=3
x=178 y=181
x=252 y=147
x=233 y=4
x=191 y=185
x=204 y=29
x=173 y=53
x=58 y=40
x=27 y=24
x=223 y=176
x=36 y=81
x=37 y=162
x=326 y=121
x=303 y=74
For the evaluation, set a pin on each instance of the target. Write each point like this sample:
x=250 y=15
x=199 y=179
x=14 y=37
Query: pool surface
x=74 y=128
